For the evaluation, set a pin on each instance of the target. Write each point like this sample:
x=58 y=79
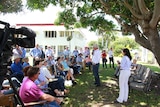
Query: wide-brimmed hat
x=15 y=57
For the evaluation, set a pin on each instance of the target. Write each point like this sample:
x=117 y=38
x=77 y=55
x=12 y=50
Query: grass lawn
x=85 y=94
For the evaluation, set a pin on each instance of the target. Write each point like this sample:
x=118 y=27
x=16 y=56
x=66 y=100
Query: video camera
x=23 y=37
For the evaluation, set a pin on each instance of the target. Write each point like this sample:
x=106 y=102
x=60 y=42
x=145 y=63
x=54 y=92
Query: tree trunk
x=155 y=43
x=150 y=40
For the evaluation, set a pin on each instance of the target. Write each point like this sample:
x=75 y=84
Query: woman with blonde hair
x=25 y=62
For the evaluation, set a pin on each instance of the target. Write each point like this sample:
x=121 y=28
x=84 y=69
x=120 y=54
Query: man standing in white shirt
x=95 y=64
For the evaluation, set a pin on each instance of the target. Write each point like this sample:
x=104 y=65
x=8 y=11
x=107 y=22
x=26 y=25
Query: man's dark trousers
x=96 y=74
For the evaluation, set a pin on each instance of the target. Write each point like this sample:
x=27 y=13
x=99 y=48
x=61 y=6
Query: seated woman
x=68 y=69
x=60 y=69
x=117 y=71
x=25 y=62
x=133 y=66
x=73 y=64
x=43 y=80
x=88 y=61
x=30 y=92
x=55 y=83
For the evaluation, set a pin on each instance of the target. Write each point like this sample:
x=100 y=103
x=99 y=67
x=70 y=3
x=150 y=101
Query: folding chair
x=18 y=100
x=7 y=100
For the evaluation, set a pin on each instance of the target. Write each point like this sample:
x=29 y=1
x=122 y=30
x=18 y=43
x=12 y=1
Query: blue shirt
x=25 y=64
x=75 y=53
x=23 y=53
x=41 y=78
x=79 y=59
x=36 y=52
x=65 y=65
x=66 y=52
x=16 y=68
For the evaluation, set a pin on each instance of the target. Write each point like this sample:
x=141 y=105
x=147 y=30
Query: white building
x=56 y=37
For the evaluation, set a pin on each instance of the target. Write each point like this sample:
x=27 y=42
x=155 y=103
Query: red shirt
x=104 y=55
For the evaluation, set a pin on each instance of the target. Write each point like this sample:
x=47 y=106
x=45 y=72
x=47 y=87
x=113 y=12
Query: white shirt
x=46 y=72
x=96 y=56
x=17 y=51
x=125 y=63
x=110 y=53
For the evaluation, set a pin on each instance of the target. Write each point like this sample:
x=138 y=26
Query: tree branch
x=104 y=4
x=136 y=7
x=156 y=14
x=143 y=9
x=140 y=37
x=126 y=4
x=106 y=7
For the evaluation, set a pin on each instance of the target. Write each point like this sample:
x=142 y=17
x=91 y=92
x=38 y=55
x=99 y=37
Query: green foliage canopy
x=138 y=17
x=121 y=43
x=10 y=6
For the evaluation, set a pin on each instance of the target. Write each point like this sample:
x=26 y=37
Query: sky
x=37 y=16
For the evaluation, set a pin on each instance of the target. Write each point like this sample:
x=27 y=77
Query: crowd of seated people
x=47 y=75
x=30 y=92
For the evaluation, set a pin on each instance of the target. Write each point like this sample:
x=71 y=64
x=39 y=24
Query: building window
x=61 y=33
x=50 y=34
x=68 y=33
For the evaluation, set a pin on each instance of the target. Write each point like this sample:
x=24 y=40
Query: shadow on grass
x=85 y=94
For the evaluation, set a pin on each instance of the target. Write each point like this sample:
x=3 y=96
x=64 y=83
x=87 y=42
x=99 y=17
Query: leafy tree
x=10 y=6
x=138 y=17
x=101 y=43
x=91 y=43
x=121 y=43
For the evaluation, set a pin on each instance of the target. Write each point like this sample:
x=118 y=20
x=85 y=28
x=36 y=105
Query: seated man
x=30 y=92
x=16 y=68
x=79 y=61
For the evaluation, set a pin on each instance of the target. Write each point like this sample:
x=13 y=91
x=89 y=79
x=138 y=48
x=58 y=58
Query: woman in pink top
x=30 y=92
x=88 y=61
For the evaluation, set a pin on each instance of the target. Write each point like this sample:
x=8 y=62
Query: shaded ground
x=85 y=94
